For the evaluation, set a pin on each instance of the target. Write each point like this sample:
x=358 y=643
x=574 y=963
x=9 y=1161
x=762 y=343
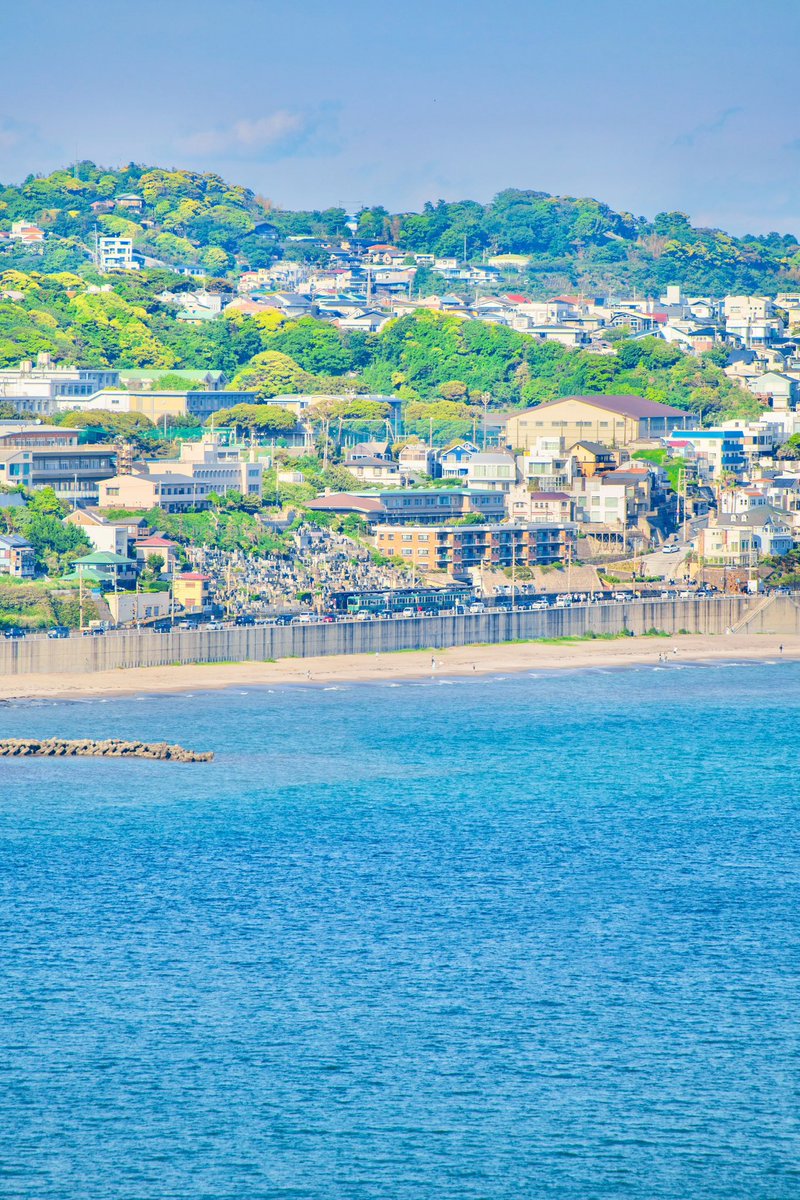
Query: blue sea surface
x=492 y=939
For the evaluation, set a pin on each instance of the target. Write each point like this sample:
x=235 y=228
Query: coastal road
x=667 y=566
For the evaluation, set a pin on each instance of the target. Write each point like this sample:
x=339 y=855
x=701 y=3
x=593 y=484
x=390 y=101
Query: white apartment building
x=547 y=467
x=115 y=254
x=752 y=319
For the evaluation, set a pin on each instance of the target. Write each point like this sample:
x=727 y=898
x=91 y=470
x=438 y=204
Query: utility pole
x=485 y=398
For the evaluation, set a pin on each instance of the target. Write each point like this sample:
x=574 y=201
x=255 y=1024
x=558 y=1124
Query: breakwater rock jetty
x=109 y=748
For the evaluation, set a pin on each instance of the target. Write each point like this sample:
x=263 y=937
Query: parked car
x=58 y=631
x=95 y=631
x=13 y=631
x=245 y=620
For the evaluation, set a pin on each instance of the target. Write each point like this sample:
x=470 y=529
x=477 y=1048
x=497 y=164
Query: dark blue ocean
x=487 y=939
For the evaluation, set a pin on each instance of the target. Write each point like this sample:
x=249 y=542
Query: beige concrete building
x=613 y=420
x=204 y=467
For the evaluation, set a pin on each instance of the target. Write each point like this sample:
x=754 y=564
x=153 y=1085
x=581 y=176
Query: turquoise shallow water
x=504 y=938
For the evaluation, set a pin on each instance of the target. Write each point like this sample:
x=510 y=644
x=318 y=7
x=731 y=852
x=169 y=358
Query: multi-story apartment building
x=15 y=466
x=56 y=460
x=752 y=320
x=715 y=451
x=115 y=254
x=456 y=549
x=424 y=506
x=547 y=466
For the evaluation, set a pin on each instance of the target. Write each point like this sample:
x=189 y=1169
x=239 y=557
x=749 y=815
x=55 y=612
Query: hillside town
x=585 y=494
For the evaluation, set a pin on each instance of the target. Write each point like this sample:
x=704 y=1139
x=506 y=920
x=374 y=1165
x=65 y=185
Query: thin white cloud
x=251 y=137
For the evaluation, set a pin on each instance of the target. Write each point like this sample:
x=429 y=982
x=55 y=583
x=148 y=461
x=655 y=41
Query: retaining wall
x=132 y=648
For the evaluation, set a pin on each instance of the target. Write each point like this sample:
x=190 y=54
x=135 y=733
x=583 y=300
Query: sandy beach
x=364 y=668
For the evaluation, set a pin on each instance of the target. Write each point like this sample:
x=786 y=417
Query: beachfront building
x=129 y=607
x=455 y=549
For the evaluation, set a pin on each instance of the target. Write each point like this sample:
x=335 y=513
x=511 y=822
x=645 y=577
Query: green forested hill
x=189 y=218
x=427 y=359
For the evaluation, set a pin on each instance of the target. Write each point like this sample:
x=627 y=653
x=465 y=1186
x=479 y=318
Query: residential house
x=417 y=458
x=539 y=508
x=491 y=472
x=111 y=570
x=191 y=591
x=740 y=539
x=373 y=469
x=15 y=467
x=591 y=458
x=547 y=466
x=17 y=556
x=716 y=451
x=779 y=390
x=155 y=544
x=26 y=233
x=454 y=460
x=751 y=320
x=148 y=489
x=370 y=449
x=130 y=202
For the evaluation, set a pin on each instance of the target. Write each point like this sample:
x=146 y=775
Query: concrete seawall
x=130 y=648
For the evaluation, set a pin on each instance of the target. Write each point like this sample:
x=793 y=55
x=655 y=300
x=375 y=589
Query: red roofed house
x=154 y=544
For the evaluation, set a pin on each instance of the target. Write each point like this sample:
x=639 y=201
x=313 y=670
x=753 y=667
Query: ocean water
x=490 y=938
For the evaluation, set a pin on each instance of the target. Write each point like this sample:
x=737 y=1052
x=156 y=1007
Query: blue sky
x=648 y=107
